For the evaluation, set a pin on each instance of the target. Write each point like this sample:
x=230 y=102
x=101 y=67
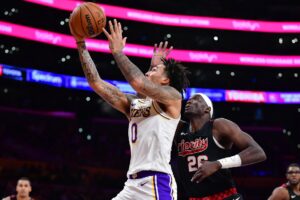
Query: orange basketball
x=87 y=20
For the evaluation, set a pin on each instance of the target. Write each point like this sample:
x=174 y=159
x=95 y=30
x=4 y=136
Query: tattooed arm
x=134 y=76
x=108 y=92
x=163 y=94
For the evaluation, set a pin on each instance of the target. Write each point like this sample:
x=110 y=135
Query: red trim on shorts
x=218 y=196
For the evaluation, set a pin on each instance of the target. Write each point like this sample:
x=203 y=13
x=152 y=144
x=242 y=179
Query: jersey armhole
x=217 y=143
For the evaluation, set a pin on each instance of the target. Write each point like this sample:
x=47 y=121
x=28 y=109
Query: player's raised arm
x=162 y=93
x=107 y=91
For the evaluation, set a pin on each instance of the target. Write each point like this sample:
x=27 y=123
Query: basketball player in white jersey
x=153 y=118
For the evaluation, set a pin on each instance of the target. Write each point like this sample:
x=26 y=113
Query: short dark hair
x=177 y=73
x=293 y=165
x=24 y=179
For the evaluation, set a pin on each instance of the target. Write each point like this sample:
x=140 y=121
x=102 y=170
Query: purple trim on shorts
x=164 y=186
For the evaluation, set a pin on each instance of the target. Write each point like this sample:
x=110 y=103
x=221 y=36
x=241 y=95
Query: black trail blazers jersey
x=292 y=194
x=192 y=148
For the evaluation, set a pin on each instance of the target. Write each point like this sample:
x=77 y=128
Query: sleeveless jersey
x=292 y=194
x=192 y=148
x=151 y=133
x=14 y=197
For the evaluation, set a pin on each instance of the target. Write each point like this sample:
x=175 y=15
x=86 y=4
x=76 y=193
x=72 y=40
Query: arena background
x=72 y=145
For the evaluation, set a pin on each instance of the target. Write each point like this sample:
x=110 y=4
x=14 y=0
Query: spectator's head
x=293 y=174
x=23 y=187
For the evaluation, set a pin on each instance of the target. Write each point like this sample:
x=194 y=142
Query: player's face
x=293 y=175
x=23 y=188
x=195 y=106
x=157 y=74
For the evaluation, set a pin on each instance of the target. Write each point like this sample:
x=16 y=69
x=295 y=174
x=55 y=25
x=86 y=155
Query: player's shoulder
x=223 y=123
x=281 y=191
x=6 y=198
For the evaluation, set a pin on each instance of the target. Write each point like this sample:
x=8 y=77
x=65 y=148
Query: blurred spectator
x=23 y=190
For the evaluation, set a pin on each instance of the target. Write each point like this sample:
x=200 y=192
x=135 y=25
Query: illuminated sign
x=216 y=95
x=12 y=72
x=146 y=51
x=45 y=78
x=180 y=20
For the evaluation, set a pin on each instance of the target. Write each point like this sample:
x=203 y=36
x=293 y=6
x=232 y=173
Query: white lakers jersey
x=151 y=133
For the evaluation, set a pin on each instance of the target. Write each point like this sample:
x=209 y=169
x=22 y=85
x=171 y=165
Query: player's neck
x=23 y=198
x=197 y=123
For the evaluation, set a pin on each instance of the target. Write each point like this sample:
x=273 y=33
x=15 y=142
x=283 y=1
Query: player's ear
x=208 y=109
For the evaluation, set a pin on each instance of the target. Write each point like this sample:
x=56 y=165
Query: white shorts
x=159 y=186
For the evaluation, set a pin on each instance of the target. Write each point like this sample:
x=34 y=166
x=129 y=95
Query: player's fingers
x=169 y=50
x=107 y=34
x=120 y=28
x=155 y=47
x=124 y=40
x=201 y=178
x=165 y=45
x=111 y=28
x=196 y=175
x=116 y=27
x=160 y=45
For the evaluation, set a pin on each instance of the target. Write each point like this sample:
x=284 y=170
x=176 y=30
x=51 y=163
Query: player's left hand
x=206 y=169
x=159 y=52
x=116 y=40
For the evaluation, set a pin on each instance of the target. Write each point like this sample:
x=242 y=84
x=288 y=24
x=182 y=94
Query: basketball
x=87 y=20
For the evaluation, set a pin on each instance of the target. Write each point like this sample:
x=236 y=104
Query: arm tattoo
x=111 y=94
x=88 y=66
x=155 y=93
x=108 y=92
x=131 y=72
x=128 y=69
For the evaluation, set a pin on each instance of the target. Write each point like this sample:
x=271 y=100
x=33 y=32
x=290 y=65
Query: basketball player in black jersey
x=23 y=189
x=204 y=153
x=291 y=189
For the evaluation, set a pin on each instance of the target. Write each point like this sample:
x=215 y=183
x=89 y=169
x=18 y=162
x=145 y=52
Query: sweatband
x=208 y=103
x=230 y=162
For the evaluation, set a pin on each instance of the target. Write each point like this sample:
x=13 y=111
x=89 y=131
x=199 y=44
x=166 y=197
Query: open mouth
x=187 y=107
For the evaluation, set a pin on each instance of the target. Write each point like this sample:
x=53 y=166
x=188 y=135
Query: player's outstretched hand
x=115 y=38
x=162 y=51
x=206 y=169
